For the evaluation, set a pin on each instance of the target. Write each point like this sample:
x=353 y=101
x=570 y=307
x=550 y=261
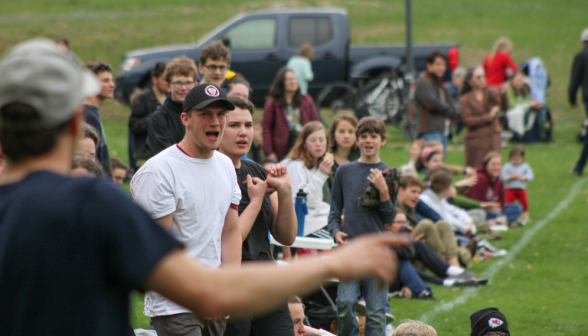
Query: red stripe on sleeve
x=235 y=206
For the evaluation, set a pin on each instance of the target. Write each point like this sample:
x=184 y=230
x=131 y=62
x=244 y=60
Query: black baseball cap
x=203 y=95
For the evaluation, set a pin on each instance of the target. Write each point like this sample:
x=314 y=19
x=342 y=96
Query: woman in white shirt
x=441 y=182
x=309 y=169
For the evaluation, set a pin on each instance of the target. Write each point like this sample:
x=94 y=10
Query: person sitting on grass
x=423 y=254
x=89 y=141
x=342 y=141
x=309 y=169
x=352 y=179
x=425 y=222
x=259 y=211
x=490 y=188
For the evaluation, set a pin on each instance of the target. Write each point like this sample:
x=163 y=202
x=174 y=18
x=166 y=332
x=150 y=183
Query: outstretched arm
x=255 y=289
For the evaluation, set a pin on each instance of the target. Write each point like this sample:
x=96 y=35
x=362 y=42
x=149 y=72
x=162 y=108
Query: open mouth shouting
x=212 y=136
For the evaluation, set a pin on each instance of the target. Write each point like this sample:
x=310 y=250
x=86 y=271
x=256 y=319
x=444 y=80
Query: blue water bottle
x=301 y=211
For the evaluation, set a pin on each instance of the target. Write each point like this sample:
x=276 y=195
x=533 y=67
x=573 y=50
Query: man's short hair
x=117 y=163
x=242 y=104
x=296 y=300
x=433 y=55
x=181 y=66
x=371 y=125
x=19 y=142
x=98 y=68
x=441 y=179
x=158 y=69
x=215 y=51
x=409 y=327
x=87 y=162
x=408 y=181
x=91 y=132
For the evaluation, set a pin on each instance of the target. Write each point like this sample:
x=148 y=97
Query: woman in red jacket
x=499 y=62
x=284 y=114
x=490 y=188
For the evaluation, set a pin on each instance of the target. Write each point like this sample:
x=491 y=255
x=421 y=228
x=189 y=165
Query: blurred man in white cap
x=71 y=249
x=579 y=77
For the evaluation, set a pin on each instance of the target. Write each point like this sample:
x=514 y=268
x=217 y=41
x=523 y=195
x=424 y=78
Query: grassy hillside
x=541 y=289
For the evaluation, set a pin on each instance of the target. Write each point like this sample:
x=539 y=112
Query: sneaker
x=464 y=282
x=426 y=295
x=483 y=243
x=480 y=280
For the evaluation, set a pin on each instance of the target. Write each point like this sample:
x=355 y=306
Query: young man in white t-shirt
x=192 y=191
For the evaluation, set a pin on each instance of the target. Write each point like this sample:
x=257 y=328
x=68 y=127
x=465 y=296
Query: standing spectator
x=490 y=188
x=215 y=61
x=301 y=66
x=191 y=190
x=479 y=112
x=284 y=114
x=309 y=171
x=352 y=179
x=259 y=213
x=579 y=77
x=515 y=174
x=78 y=253
x=165 y=125
x=498 y=65
x=143 y=107
x=91 y=115
x=433 y=105
x=88 y=141
x=237 y=86
x=342 y=141
x=119 y=171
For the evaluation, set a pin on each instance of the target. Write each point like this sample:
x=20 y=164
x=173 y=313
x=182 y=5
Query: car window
x=253 y=34
x=314 y=31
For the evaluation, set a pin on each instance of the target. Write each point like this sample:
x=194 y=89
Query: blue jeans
x=408 y=277
x=436 y=136
x=511 y=211
x=375 y=299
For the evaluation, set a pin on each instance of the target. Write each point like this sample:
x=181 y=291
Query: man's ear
x=383 y=142
x=185 y=118
x=154 y=79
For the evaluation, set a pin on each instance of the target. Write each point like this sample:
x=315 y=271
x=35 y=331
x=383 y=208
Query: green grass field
x=541 y=290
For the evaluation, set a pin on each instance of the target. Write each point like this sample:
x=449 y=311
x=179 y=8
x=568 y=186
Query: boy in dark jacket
x=351 y=180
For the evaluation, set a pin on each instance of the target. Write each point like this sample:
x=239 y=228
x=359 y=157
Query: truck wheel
x=337 y=96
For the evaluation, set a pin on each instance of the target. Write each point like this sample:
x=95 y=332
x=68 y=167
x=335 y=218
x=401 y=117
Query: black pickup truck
x=262 y=42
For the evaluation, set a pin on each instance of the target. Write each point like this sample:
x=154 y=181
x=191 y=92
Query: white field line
x=512 y=253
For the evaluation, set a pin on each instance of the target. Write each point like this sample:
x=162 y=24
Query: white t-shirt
x=199 y=193
x=312 y=182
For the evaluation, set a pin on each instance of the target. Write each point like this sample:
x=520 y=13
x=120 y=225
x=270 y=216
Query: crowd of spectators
x=196 y=152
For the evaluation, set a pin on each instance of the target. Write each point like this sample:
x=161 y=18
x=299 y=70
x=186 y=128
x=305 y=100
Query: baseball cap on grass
x=487 y=320
x=51 y=80
x=584 y=35
x=203 y=95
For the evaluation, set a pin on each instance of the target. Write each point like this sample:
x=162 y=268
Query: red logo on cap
x=212 y=91
x=494 y=322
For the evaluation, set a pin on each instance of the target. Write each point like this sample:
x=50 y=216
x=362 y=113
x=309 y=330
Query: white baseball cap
x=584 y=35
x=46 y=77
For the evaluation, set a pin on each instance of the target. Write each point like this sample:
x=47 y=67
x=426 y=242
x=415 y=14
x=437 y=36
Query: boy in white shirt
x=192 y=191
